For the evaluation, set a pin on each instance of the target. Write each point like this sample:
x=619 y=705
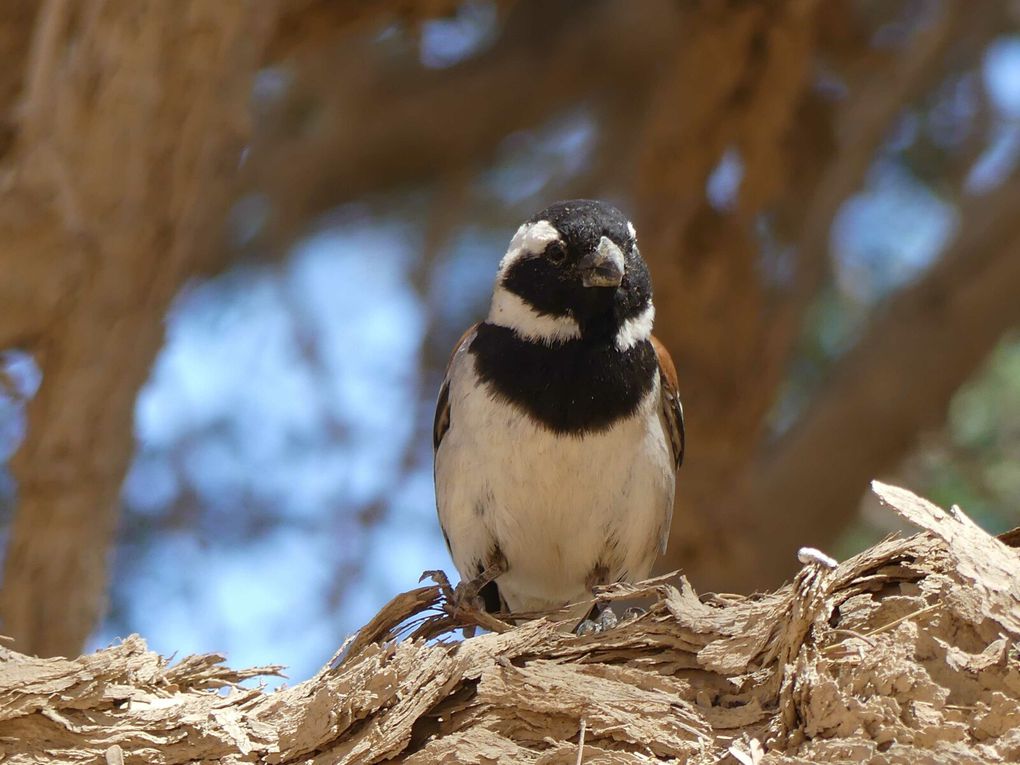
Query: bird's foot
x=633 y=613
x=607 y=620
x=467 y=594
x=472 y=598
x=441 y=579
x=604 y=622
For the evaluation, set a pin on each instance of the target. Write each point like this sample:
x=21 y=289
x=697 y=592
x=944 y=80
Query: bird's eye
x=556 y=253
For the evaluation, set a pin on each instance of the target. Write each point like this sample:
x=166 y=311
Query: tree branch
x=305 y=24
x=728 y=331
x=364 y=120
x=15 y=35
x=893 y=385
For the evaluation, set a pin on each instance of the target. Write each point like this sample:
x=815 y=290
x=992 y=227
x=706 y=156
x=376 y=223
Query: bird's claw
x=467 y=595
x=442 y=581
x=633 y=613
x=607 y=620
x=604 y=622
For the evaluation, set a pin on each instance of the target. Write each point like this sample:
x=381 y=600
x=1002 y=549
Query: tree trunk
x=123 y=173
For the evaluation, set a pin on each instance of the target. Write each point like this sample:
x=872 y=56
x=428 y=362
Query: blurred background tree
x=239 y=239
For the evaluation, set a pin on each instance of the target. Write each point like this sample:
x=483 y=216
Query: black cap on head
x=592 y=272
x=583 y=222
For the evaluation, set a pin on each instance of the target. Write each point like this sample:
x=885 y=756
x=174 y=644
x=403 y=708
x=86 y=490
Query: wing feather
x=441 y=423
x=672 y=409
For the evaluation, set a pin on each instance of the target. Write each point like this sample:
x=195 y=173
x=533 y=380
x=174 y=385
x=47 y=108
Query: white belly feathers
x=562 y=510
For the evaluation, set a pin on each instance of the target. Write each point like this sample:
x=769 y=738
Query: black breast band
x=577 y=386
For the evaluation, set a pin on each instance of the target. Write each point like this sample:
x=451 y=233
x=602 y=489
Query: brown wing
x=442 y=422
x=672 y=409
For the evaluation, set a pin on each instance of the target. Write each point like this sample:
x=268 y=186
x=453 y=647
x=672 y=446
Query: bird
x=559 y=430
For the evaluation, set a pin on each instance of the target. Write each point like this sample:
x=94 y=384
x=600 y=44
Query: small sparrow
x=558 y=430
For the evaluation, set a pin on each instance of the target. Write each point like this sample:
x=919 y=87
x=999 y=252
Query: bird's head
x=572 y=271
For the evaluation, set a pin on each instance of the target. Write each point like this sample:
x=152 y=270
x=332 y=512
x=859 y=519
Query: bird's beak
x=604 y=267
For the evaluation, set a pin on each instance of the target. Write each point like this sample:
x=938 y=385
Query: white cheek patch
x=510 y=311
x=632 y=231
x=636 y=329
x=531 y=239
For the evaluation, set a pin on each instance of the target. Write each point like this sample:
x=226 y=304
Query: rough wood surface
x=906 y=653
x=132 y=126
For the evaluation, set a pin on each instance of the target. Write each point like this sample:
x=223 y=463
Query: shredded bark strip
x=906 y=653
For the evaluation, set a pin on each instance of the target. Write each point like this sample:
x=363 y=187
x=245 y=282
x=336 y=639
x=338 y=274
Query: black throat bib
x=577 y=386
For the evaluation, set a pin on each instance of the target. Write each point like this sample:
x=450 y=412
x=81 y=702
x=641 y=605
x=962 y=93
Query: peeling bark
x=904 y=653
